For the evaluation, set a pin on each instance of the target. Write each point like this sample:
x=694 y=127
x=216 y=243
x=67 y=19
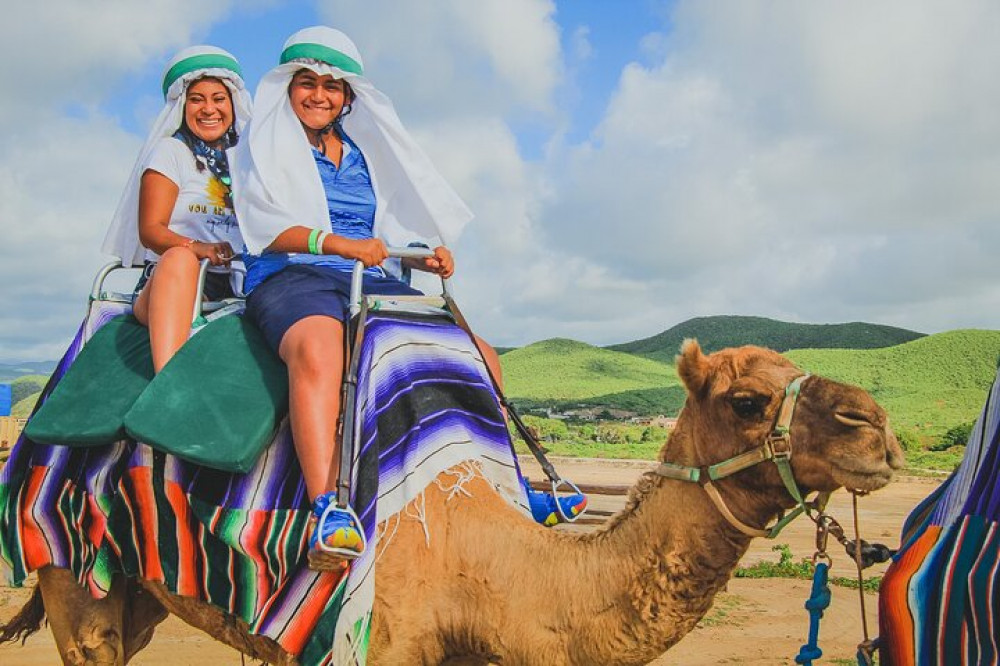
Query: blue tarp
x=5 y=399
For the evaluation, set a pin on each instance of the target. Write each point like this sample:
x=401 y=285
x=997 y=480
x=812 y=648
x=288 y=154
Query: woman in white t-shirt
x=177 y=208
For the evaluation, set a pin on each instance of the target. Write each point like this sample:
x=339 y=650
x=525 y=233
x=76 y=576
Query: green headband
x=194 y=63
x=323 y=54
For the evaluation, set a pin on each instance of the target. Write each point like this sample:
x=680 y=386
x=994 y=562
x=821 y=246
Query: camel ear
x=693 y=367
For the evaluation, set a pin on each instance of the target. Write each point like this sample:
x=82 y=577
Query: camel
x=490 y=586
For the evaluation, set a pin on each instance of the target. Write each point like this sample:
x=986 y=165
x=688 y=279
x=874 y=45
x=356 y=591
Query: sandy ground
x=754 y=622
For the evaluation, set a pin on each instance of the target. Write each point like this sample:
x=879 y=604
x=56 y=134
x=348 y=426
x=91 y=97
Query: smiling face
x=317 y=100
x=208 y=109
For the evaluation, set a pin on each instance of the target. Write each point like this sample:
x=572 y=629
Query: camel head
x=839 y=436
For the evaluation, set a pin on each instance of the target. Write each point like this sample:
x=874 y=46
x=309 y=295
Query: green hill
x=561 y=372
x=715 y=333
x=26 y=385
x=929 y=384
x=22 y=408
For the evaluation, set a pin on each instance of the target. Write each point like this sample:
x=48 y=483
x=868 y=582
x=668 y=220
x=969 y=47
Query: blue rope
x=818 y=601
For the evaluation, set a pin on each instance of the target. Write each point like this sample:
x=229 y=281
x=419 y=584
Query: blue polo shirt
x=350 y=200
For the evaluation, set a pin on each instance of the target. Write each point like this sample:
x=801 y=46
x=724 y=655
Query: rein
x=777 y=447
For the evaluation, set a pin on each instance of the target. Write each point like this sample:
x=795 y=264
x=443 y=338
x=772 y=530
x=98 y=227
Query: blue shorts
x=301 y=291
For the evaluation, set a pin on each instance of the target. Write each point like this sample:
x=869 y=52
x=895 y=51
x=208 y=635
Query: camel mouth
x=867 y=479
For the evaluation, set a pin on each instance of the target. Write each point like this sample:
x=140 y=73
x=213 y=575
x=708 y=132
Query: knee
x=178 y=261
x=310 y=356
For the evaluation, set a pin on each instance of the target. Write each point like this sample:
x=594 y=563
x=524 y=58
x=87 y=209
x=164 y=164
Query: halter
x=777 y=446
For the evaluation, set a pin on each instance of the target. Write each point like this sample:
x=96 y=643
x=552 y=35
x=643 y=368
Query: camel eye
x=747 y=407
x=853 y=418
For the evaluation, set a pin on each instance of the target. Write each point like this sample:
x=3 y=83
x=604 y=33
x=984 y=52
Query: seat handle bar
x=400 y=252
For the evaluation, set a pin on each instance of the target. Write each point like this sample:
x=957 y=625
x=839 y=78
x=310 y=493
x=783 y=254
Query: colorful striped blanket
x=425 y=406
x=939 y=603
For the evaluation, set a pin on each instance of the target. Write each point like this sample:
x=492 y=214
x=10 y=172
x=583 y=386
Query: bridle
x=777 y=447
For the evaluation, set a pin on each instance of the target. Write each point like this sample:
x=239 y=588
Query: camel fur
x=485 y=584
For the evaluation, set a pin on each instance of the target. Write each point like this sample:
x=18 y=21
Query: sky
x=631 y=164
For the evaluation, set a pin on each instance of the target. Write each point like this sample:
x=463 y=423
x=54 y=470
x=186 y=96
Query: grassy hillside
x=929 y=384
x=22 y=408
x=559 y=371
x=714 y=333
x=27 y=385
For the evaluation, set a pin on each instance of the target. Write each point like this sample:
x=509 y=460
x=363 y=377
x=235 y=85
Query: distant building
x=667 y=422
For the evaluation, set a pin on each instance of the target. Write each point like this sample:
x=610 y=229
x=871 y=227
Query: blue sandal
x=336 y=536
x=549 y=510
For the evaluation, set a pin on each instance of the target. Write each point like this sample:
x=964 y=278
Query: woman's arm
x=157 y=196
x=371 y=251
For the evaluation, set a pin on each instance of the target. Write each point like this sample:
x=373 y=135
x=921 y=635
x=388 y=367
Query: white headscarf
x=276 y=184
x=195 y=62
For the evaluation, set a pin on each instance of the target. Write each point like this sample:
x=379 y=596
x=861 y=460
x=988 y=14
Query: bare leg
x=166 y=302
x=313 y=350
x=492 y=359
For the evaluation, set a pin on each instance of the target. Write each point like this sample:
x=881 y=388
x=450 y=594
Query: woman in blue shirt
x=308 y=210
x=311 y=202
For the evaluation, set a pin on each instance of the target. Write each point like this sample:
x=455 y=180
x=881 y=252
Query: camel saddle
x=216 y=403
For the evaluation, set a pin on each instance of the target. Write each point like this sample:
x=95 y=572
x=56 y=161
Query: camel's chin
x=866 y=480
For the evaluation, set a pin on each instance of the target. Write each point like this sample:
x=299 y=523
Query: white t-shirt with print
x=200 y=211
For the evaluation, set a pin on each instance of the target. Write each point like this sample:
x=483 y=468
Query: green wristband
x=313 y=236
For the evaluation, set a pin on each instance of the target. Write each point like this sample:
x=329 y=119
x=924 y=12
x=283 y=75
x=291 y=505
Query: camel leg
x=87 y=631
x=219 y=625
x=142 y=613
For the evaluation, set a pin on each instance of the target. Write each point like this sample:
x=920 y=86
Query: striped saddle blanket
x=425 y=405
x=939 y=603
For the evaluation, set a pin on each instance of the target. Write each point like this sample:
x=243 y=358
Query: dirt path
x=755 y=622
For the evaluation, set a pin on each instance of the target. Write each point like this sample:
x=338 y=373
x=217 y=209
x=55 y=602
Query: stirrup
x=342 y=553
x=555 y=496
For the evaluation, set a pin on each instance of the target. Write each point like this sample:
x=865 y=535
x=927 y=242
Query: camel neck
x=672 y=552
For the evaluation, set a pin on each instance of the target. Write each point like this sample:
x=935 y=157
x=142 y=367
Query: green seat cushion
x=88 y=405
x=218 y=401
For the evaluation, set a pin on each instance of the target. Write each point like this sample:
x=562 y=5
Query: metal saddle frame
x=360 y=305
x=201 y=306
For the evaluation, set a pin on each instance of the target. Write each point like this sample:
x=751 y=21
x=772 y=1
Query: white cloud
x=63 y=162
x=452 y=56
x=581 y=48
x=63 y=51
x=813 y=161
x=807 y=161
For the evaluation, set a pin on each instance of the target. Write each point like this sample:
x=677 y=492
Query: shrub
x=908 y=439
x=957 y=435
